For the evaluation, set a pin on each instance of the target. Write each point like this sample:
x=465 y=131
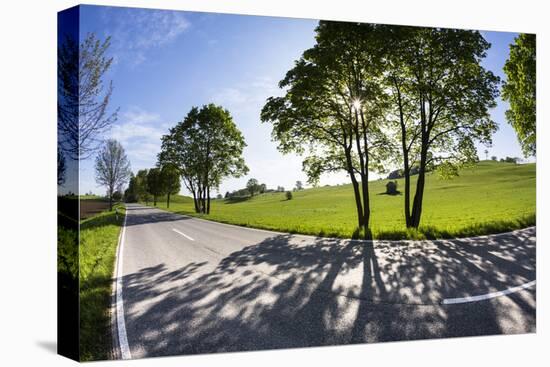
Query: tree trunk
x=356 y=193
x=195 y=201
x=405 y=151
x=111 y=199
x=208 y=196
x=408 y=220
x=203 y=201
x=366 y=203
x=199 y=199
x=419 y=194
x=167 y=200
x=365 y=176
x=154 y=200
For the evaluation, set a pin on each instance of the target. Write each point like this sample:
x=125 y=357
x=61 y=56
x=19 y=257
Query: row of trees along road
x=205 y=147
x=151 y=183
x=367 y=94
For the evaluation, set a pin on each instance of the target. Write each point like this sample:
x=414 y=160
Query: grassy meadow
x=489 y=197
x=98 y=243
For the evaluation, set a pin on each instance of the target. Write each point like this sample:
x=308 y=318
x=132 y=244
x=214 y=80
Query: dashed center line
x=183 y=234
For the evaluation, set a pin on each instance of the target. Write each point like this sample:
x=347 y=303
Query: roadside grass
x=98 y=243
x=491 y=197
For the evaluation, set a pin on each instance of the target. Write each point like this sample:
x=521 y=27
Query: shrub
x=289 y=195
x=117 y=196
x=391 y=188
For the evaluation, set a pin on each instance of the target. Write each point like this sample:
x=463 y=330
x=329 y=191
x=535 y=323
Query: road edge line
x=120 y=338
x=483 y=297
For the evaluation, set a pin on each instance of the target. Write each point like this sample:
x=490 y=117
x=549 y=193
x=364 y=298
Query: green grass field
x=98 y=243
x=490 y=197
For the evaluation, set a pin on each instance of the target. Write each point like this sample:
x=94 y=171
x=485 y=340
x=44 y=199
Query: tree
x=83 y=101
x=299 y=185
x=142 y=187
x=333 y=108
x=263 y=188
x=391 y=188
x=61 y=168
x=288 y=195
x=521 y=92
x=494 y=158
x=112 y=168
x=170 y=178
x=486 y=154
x=514 y=160
x=253 y=186
x=155 y=184
x=130 y=194
x=206 y=147
x=441 y=96
x=117 y=196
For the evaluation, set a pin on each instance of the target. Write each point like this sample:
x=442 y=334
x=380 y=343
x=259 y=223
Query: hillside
x=487 y=198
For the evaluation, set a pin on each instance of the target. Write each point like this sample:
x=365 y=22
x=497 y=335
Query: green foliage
x=117 y=196
x=288 y=195
x=441 y=98
x=206 y=147
x=170 y=179
x=520 y=91
x=333 y=109
x=142 y=190
x=391 y=188
x=447 y=170
x=492 y=197
x=155 y=186
x=253 y=186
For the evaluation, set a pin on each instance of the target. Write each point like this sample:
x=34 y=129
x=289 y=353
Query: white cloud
x=136 y=32
x=140 y=134
x=248 y=95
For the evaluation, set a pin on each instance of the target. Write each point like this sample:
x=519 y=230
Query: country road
x=191 y=286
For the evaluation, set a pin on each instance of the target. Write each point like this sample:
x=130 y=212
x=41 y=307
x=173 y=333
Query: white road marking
x=121 y=325
x=482 y=297
x=183 y=234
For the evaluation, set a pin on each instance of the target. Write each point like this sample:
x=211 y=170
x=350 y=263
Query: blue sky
x=165 y=62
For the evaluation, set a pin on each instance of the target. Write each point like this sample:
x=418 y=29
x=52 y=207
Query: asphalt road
x=193 y=286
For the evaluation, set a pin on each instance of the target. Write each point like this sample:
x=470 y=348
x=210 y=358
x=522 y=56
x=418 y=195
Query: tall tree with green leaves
x=334 y=107
x=155 y=184
x=520 y=90
x=253 y=186
x=170 y=177
x=206 y=147
x=441 y=96
x=142 y=187
x=83 y=95
x=112 y=168
x=130 y=194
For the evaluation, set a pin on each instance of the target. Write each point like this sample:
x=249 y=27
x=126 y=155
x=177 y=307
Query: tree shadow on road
x=287 y=292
